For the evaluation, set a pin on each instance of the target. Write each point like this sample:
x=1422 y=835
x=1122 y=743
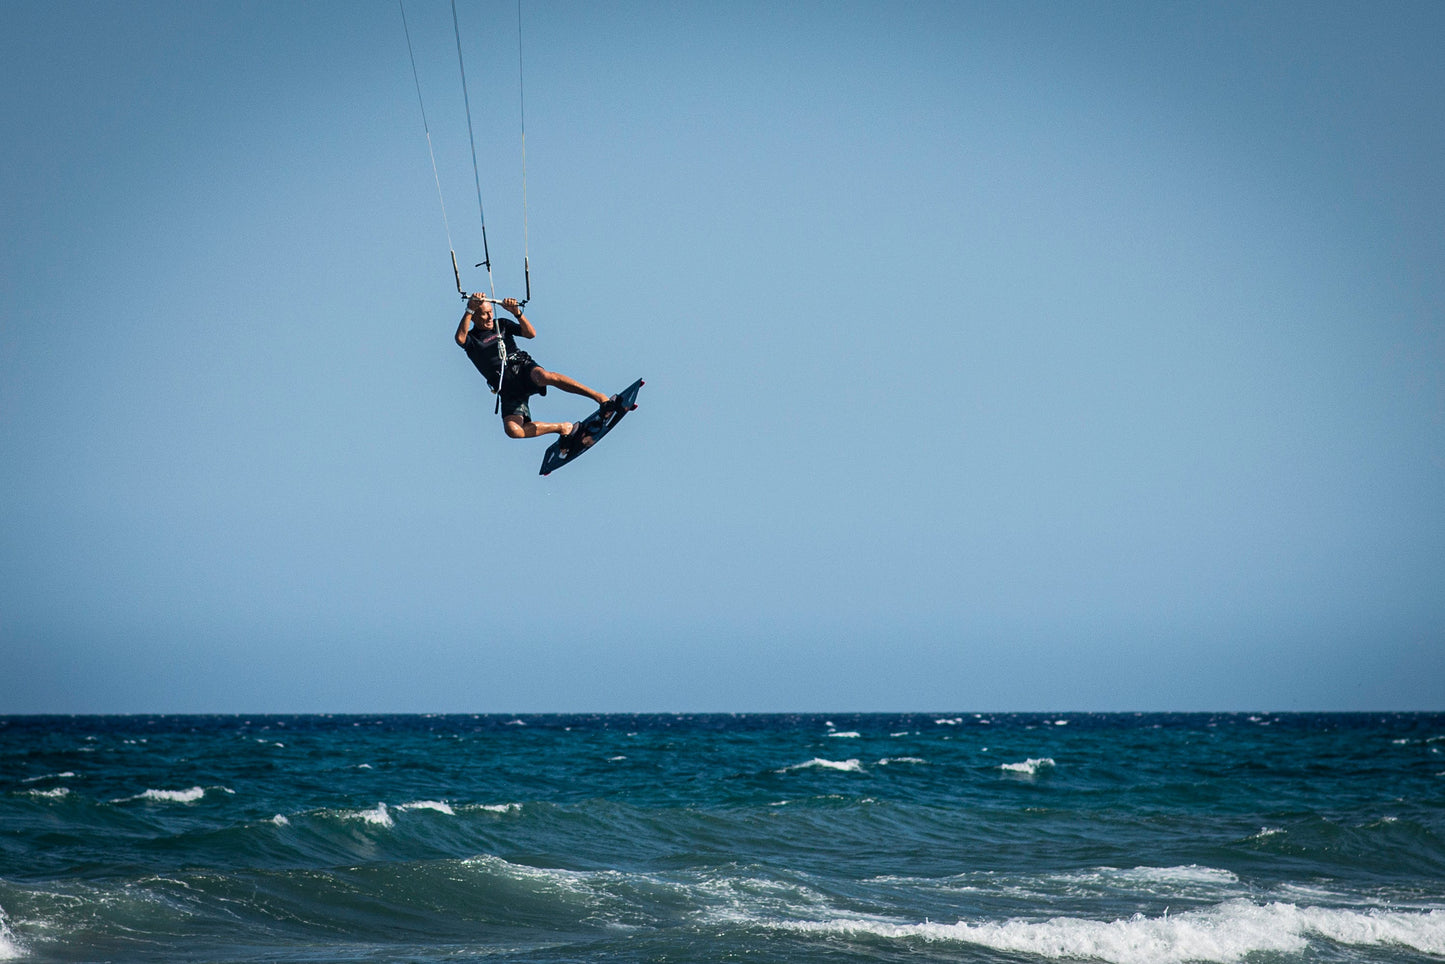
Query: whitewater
x=1124 y=838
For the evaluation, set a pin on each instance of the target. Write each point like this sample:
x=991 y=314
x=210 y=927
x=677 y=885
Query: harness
x=502 y=360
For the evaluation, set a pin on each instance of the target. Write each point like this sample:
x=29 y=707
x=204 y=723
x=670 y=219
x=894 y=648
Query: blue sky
x=998 y=356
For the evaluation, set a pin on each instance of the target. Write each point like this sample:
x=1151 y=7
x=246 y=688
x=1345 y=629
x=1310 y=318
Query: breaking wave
x=1226 y=933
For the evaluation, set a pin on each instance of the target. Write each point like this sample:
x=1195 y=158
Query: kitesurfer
x=521 y=377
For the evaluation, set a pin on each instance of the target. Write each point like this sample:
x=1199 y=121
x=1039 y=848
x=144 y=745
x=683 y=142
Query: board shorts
x=517 y=387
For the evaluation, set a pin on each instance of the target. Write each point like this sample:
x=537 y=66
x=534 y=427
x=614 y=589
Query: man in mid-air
x=483 y=337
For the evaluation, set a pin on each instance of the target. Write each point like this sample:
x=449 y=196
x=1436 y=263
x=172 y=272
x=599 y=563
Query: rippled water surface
x=925 y=837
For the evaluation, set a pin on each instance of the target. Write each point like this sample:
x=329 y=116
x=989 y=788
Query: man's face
x=482 y=313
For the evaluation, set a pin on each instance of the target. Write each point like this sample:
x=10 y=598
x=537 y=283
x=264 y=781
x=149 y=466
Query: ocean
x=958 y=837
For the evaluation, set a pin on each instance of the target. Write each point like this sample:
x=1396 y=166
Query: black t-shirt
x=481 y=347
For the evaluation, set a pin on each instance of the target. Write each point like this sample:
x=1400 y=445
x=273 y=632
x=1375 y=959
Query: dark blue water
x=939 y=837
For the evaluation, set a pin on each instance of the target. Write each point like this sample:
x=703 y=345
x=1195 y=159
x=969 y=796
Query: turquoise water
x=920 y=838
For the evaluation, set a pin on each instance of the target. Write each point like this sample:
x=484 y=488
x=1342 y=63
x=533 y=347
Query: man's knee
x=514 y=428
x=542 y=378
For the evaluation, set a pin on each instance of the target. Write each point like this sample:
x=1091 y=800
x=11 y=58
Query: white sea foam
x=500 y=807
x=846 y=734
x=1225 y=933
x=1029 y=767
x=1184 y=874
x=440 y=806
x=280 y=821
x=569 y=881
x=954 y=721
x=169 y=796
x=10 y=948
x=1190 y=882
x=1315 y=895
x=1187 y=882
x=849 y=766
x=1419 y=931
x=54 y=794
x=901 y=759
x=379 y=816
x=732 y=898
x=184 y=796
x=67 y=775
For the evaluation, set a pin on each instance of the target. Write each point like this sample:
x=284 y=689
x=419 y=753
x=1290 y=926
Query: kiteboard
x=569 y=447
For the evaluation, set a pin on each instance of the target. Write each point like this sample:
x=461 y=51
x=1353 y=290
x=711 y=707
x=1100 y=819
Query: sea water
x=1137 y=839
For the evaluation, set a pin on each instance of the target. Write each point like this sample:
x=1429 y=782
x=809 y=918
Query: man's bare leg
x=516 y=428
x=557 y=380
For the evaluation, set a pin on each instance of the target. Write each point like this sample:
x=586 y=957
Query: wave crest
x=192 y=795
x=847 y=766
x=1225 y=934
